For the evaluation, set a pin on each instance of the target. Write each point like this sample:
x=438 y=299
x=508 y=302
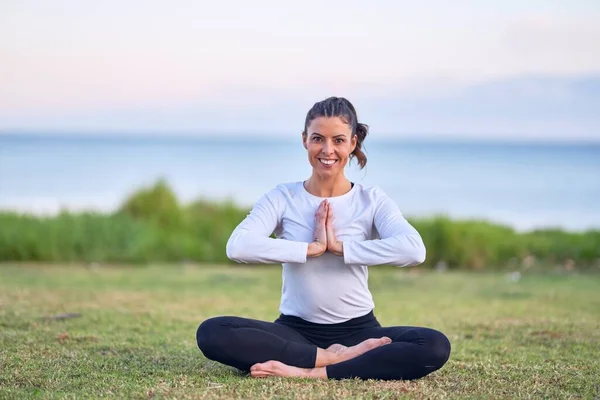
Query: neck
x=327 y=187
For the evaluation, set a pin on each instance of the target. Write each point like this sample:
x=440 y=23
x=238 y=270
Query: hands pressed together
x=324 y=239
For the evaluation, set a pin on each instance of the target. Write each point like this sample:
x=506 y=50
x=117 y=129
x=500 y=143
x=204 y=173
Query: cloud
x=527 y=107
x=530 y=107
x=507 y=68
x=554 y=44
x=69 y=55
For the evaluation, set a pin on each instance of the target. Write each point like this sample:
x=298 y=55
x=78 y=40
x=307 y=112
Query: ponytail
x=362 y=130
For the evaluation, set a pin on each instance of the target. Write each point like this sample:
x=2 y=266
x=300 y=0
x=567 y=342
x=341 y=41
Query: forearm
x=402 y=251
x=247 y=248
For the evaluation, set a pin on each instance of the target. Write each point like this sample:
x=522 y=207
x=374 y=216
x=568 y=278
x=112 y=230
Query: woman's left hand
x=333 y=245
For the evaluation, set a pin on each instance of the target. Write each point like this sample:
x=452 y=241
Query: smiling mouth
x=326 y=162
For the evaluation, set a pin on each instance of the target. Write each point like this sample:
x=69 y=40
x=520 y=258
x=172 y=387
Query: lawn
x=132 y=334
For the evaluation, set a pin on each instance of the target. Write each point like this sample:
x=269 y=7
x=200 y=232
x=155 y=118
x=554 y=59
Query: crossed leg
x=242 y=342
x=247 y=344
x=337 y=353
x=413 y=353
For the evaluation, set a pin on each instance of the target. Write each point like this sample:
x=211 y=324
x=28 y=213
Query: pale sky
x=506 y=68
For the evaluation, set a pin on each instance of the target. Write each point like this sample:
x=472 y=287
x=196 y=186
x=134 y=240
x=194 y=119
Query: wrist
x=314 y=249
x=336 y=247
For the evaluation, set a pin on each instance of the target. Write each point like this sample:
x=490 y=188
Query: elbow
x=415 y=256
x=419 y=255
x=233 y=251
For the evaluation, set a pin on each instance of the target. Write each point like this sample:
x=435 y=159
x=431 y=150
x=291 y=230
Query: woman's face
x=329 y=142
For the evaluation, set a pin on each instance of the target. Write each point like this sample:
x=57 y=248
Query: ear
x=353 y=142
x=304 y=139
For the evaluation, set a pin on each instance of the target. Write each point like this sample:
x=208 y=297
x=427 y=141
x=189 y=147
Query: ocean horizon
x=526 y=185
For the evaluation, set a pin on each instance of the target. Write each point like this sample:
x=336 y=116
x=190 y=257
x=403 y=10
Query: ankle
x=318 y=373
x=334 y=358
x=325 y=358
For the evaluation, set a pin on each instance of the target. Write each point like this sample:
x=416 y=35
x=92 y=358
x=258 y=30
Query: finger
x=320 y=217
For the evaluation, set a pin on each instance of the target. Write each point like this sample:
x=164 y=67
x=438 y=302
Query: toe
x=259 y=367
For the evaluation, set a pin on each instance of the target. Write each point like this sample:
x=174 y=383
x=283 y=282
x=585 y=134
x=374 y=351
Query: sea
x=523 y=185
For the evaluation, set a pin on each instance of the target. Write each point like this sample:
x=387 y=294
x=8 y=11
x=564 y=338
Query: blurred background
x=141 y=131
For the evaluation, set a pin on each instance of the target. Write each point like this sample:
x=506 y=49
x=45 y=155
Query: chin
x=328 y=172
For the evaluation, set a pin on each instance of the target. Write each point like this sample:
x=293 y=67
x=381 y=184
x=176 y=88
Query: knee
x=440 y=347
x=208 y=334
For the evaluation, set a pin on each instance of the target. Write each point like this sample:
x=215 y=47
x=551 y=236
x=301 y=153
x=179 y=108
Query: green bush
x=157 y=204
x=152 y=226
x=469 y=244
x=73 y=237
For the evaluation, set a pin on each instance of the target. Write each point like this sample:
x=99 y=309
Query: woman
x=327 y=231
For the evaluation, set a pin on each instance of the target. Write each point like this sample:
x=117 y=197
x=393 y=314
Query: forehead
x=329 y=126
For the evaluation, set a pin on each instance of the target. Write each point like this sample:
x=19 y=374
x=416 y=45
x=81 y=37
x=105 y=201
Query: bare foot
x=337 y=348
x=277 y=368
x=346 y=353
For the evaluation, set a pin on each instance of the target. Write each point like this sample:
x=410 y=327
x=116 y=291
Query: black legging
x=243 y=342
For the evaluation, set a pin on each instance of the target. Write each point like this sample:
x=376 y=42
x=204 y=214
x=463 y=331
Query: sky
x=468 y=68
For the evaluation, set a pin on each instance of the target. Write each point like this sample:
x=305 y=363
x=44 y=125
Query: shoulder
x=286 y=189
x=372 y=193
x=375 y=197
x=283 y=193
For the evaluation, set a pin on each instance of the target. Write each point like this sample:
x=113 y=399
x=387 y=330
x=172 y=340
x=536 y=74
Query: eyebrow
x=338 y=135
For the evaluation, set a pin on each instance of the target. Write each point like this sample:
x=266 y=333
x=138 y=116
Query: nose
x=327 y=147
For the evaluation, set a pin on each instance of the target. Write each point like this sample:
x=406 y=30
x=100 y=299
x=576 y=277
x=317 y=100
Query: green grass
x=135 y=336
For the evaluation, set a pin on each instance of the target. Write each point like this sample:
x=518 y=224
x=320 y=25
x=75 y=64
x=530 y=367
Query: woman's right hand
x=319 y=243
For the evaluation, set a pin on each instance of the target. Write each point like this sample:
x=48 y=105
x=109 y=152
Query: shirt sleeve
x=250 y=241
x=399 y=242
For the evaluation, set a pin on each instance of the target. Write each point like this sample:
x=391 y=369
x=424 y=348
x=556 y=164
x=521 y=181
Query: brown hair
x=342 y=108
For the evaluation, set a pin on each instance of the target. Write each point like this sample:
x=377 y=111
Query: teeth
x=327 y=162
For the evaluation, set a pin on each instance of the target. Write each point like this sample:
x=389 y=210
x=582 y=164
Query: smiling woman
x=328 y=231
x=339 y=136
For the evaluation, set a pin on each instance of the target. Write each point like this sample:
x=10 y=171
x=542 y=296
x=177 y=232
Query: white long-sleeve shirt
x=326 y=289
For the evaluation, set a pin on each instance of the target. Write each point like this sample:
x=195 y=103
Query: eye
x=339 y=140
x=316 y=138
